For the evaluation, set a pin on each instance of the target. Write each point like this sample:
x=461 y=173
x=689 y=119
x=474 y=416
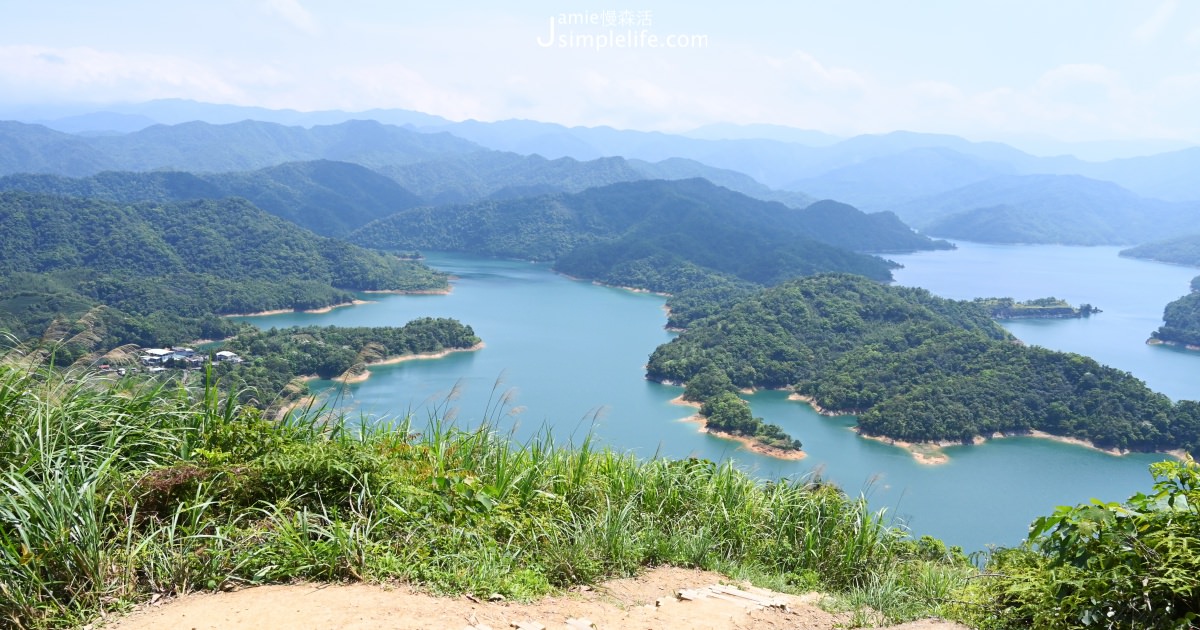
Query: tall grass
x=116 y=491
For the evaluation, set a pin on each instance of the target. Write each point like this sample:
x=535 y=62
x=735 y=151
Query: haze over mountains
x=944 y=185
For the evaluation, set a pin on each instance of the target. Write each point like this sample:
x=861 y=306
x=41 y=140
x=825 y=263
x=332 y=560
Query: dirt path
x=626 y=603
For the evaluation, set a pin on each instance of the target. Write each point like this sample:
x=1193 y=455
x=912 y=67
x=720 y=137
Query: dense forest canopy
x=165 y=270
x=621 y=232
x=275 y=357
x=1181 y=318
x=918 y=368
x=1182 y=250
x=329 y=198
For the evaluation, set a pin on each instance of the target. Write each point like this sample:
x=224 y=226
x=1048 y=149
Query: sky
x=1072 y=70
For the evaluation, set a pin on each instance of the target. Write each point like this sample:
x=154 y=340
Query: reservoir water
x=567 y=357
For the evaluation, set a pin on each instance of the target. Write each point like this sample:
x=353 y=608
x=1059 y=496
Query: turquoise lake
x=567 y=357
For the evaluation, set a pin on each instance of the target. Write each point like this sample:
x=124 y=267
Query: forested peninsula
x=162 y=273
x=278 y=360
x=914 y=367
x=1181 y=318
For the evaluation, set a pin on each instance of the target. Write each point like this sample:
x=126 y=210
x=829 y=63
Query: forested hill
x=1182 y=250
x=1181 y=318
x=500 y=175
x=919 y=368
x=846 y=226
x=1066 y=209
x=174 y=265
x=198 y=146
x=601 y=232
x=495 y=174
x=330 y=198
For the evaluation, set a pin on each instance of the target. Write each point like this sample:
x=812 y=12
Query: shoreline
x=811 y=402
x=926 y=453
x=1174 y=344
x=314 y=311
x=303 y=401
x=615 y=286
x=444 y=291
x=931 y=454
x=625 y=288
x=366 y=373
x=749 y=443
x=679 y=400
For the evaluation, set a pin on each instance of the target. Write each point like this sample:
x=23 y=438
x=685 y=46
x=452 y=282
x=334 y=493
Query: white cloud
x=87 y=74
x=806 y=69
x=1148 y=31
x=664 y=90
x=394 y=85
x=293 y=13
x=1084 y=84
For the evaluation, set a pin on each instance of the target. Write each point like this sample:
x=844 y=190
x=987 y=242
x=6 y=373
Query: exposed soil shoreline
x=812 y=402
x=366 y=374
x=314 y=311
x=325 y=309
x=1175 y=344
x=927 y=453
x=931 y=454
x=447 y=290
x=749 y=443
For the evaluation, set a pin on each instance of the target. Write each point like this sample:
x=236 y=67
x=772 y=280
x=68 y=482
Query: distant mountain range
x=334 y=198
x=944 y=184
x=869 y=171
x=198 y=146
x=92 y=119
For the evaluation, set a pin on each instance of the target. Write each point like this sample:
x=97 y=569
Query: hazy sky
x=987 y=69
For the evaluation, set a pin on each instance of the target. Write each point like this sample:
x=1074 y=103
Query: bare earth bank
x=624 y=603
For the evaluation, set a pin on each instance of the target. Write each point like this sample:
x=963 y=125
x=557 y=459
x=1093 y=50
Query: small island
x=1041 y=308
x=726 y=415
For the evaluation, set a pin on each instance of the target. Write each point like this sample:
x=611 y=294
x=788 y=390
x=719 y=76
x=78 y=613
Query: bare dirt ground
x=647 y=601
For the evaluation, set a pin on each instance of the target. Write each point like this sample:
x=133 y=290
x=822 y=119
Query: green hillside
x=1181 y=250
x=1181 y=318
x=1066 y=209
x=330 y=198
x=171 y=267
x=919 y=368
x=475 y=176
x=597 y=233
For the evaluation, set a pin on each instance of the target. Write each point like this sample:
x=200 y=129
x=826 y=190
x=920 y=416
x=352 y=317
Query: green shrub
x=1107 y=565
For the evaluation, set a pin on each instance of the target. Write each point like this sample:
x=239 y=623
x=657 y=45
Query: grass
x=114 y=492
